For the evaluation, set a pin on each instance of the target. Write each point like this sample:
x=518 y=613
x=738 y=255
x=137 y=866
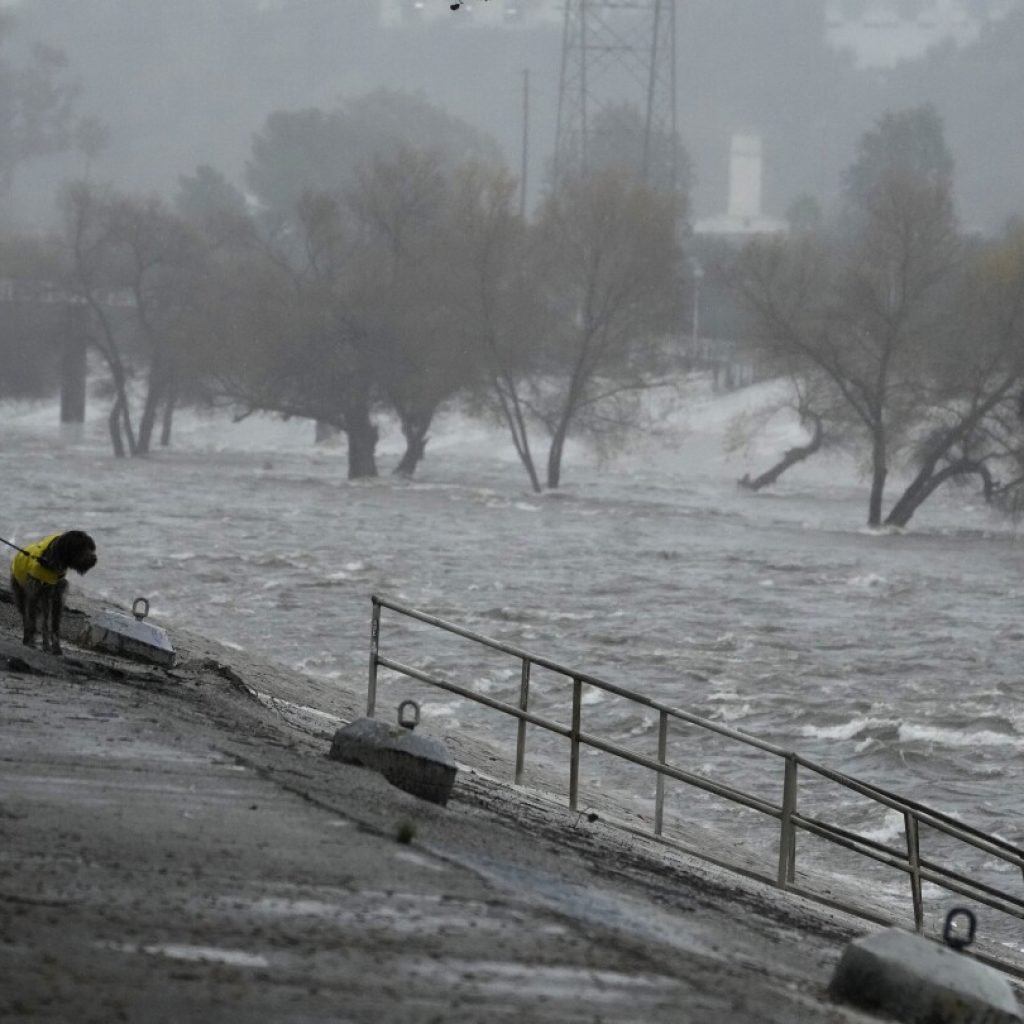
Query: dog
x=38 y=582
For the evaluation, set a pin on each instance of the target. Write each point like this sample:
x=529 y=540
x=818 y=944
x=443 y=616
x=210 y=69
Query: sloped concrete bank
x=176 y=846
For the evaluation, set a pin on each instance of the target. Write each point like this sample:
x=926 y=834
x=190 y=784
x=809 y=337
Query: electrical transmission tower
x=617 y=90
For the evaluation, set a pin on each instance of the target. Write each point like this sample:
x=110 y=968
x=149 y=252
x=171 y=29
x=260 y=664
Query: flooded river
x=894 y=657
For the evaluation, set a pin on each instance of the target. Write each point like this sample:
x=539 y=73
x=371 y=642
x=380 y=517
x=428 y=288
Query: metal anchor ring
x=403 y=721
x=950 y=935
x=135 y=606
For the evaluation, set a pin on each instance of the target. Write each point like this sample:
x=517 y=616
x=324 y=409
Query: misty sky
x=184 y=82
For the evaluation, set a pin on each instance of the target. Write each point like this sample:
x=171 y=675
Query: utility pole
x=616 y=53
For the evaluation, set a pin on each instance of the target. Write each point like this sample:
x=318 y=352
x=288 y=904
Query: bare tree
x=163 y=261
x=807 y=404
x=972 y=423
x=290 y=339
x=920 y=340
x=864 y=312
x=406 y=291
x=568 y=316
x=498 y=300
x=608 y=265
x=135 y=266
x=94 y=275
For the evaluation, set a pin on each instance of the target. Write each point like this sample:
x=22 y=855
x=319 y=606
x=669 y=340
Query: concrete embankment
x=176 y=846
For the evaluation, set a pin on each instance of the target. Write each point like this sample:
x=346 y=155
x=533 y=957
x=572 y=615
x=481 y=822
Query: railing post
x=371 y=686
x=787 y=836
x=524 y=702
x=914 y=860
x=574 y=743
x=659 y=796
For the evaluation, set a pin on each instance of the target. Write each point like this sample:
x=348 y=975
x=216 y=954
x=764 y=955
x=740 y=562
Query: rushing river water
x=894 y=657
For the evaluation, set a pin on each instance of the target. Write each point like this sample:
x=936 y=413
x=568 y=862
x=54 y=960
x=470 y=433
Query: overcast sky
x=184 y=82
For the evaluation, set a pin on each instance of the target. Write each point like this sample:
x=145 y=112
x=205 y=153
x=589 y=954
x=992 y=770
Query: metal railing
x=910 y=860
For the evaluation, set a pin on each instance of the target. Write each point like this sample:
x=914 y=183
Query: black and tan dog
x=38 y=582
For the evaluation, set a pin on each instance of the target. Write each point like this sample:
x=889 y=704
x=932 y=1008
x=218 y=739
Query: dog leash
x=27 y=554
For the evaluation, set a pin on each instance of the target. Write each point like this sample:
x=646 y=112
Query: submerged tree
x=94 y=273
x=608 y=268
x=136 y=267
x=864 y=307
x=919 y=339
x=973 y=425
x=292 y=340
x=357 y=205
x=407 y=292
x=806 y=405
x=568 y=316
x=498 y=302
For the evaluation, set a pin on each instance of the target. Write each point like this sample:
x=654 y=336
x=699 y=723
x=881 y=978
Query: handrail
x=910 y=861
x=585 y=677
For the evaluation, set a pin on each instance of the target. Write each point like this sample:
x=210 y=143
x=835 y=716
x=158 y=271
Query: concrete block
x=910 y=978
x=416 y=764
x=128 y=636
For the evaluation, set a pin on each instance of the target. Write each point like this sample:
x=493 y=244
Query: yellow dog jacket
x=25 y=564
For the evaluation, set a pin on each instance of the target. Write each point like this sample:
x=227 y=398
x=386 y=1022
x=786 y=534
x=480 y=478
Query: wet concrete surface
x=176 y=846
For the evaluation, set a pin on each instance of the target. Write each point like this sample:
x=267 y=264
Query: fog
x=185 y=82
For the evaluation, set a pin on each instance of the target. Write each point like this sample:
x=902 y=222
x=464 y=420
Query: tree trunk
x=126 y=423
x=120 y=421
x=73 y=365
x=790 y=458
x=927 y=481
x=513 y=412
x=114 y=424
x=414 y=430
x=555 y=453
x=362 y=445
x=154 y=396
x=122 y=436
x=910 y=501
x=915 y=494
x=168 y=419
x=879 y=471
x=526 y=457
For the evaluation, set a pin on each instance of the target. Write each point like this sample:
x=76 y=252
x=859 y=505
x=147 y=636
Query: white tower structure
x=743 y=214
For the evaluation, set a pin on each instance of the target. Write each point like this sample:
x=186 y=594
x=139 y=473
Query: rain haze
x=680 y=344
